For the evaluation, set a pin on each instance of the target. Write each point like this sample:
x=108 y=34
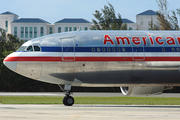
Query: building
x=5 y=20
x=130 y=25
x=144 y=19
x=71 y=24
x=28 y=28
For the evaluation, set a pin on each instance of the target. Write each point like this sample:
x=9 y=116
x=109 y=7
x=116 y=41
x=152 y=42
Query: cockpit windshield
x=22 y=48
x=30 y=48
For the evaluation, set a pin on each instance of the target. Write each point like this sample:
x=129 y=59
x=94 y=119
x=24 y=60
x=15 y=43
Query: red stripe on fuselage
x=89 y=59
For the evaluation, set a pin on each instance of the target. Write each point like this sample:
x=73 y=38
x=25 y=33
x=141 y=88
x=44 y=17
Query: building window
x=75 y=28
x=15 y=31
x=35 y=32
x=70 y=28
x=31 y=32
x=42 y=31
x=50 y=30
x=59 y=29
x=6 y=25
x=130 y=28
x=141 y=22
x=22 y=32
x=26 y=32
x=85 y=28
x=66 y=29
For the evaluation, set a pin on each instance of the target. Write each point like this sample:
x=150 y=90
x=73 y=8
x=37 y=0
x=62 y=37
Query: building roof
x=126 y=21
x=123 y=20
x=148 y=12
x=72 y=20
x=8 y=13
x=30 y=20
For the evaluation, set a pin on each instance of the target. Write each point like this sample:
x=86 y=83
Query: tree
x=124 y=26
x=163 y=15
x=13 y=43
x=8 y=44
x=167 y=21
x=2 y=40
x=174 y=21
x=2 y=44
x=153 y=26
x=107 y=20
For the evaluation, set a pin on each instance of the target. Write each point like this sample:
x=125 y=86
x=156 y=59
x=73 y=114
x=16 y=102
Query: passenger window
x=103 y=49
x=98 y=49
x=37 y=48
x=124 y=49
x=30 y=48
x=93 y=49
x=163 y=49
x=109 y=49
x=118 y=49
x=177 y=49
x=114 y=49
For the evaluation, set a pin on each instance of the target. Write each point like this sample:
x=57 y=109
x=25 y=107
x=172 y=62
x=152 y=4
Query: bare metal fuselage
x=101 y=73
x=84 y=59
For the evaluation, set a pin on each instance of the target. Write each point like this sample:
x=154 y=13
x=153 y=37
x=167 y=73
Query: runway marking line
x=78 y=115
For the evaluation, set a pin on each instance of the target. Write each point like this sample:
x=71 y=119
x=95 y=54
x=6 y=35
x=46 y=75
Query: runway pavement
x=78 y=94
x=88 y=112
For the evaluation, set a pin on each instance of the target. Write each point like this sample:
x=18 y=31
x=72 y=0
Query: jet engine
x=143 y=90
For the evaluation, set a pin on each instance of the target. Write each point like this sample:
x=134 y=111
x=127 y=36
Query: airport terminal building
x=29 y=28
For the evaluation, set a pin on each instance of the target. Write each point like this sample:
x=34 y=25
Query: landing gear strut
x=67 y=100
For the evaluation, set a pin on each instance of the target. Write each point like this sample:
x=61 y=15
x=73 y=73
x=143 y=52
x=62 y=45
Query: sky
x=55 y=10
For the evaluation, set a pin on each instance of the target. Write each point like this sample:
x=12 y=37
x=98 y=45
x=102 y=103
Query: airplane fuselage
x=101 y=58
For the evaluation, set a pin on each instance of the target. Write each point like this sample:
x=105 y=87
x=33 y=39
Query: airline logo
x=137 y=41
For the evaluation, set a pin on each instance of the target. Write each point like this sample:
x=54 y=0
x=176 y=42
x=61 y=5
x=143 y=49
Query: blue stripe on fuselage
x=111 y=49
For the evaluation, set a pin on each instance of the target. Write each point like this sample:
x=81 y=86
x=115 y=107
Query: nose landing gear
x=67 y=100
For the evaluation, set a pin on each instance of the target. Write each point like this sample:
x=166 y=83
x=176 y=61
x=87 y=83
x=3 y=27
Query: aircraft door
x=68 y=49
x=138 y=50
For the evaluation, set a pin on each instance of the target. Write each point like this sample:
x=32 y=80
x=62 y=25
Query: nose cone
x=12 y=65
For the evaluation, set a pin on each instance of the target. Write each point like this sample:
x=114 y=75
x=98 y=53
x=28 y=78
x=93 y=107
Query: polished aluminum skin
x=69 y=70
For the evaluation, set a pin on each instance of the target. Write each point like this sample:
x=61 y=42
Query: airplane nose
x=12 y=65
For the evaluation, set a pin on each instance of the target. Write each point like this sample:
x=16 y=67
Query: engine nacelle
x=143 y=90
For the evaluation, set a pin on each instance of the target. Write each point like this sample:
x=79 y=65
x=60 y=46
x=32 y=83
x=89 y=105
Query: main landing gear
x=67 y=100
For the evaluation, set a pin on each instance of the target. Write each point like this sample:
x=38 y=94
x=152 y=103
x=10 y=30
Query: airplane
x=139 y=62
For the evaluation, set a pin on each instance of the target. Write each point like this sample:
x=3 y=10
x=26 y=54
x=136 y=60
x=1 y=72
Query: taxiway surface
x=79 y=94
x=88 y=112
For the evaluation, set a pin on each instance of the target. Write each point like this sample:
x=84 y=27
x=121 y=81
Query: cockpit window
x=22 y=48
x=30 y=48
x=37 y=48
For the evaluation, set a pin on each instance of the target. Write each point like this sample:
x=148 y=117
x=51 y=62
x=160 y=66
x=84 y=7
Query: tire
x=65 y=100
x=68 y=101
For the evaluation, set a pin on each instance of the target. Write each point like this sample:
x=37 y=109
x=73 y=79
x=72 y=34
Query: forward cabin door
x=68 y=49
x=138 y=53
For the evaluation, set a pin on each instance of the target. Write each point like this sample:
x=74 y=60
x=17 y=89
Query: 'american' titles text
x=137 y=40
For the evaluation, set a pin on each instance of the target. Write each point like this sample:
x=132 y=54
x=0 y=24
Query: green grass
x=93 y=100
